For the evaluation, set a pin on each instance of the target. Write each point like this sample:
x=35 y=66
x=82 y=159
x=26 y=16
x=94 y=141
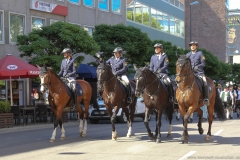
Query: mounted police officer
x=119 y=68
x=158 y=65
x=68 y=71
x=198 y=63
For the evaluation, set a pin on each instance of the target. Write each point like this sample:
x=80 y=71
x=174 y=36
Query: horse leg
x=185 y=121
x=129 y=122
x=210 y=119
x=85 y=118
x=62 y=130
x=150 y=135
x=200 y=115
x=113 y=119
x=158 y=126
x=170 y=116
x=52 y=139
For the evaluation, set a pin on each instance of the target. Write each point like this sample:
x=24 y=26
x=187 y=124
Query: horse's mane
x=142 y=69
x=103 y=66
x=51 y=70
x=183 y=59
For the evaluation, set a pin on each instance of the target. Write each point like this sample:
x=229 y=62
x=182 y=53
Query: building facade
x=160 y=19
x=205 y=22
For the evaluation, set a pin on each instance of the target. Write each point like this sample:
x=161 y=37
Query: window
x=130 y=11
x=153 y=18
x=177 y=3
x=37 y=23
x=146 y=15
x=53 y=21
x=138 y=12
x=89 y=30
x=74 y=1
x=172 y=2
x=116 y=6
x=17 y=26
x=103 y=5
x=165 y=23
x=182 y=4
x=89 y=3
x=159 y=20
x=172 y=25
x=1 y=26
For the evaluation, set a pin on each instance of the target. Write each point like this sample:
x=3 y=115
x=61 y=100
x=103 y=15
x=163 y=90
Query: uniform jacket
x=117 y=65
x=197 y=59
x=161 y=63
x=68 y=68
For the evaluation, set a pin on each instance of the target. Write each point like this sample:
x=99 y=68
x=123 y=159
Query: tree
x=131 y=39
x=44 y=47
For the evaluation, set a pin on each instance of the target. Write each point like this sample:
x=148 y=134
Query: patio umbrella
x=13 y=68
x=86 y=71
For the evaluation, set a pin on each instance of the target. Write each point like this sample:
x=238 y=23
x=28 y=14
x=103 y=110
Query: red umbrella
x=13 y=68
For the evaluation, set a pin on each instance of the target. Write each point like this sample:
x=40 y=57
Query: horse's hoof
x=207 y=138
x=52 y=140
x=184 y=141
x=83 y=135
x=201 y=131
x=114 y=138
x=158 y=141
x=62 y=138
x=169 y=135
x=129 y=135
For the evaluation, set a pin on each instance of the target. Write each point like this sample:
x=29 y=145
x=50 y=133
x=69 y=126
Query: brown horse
x=114 y=97
x=155 y=97
x=190 y=98
x=59 y=99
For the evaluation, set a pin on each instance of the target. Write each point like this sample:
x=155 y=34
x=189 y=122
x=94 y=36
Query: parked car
x=94 y=116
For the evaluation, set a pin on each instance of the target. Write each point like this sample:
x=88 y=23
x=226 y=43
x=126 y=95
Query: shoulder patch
x=75 y=64
x=166 y=59
x=203 y=57
x=125 y=63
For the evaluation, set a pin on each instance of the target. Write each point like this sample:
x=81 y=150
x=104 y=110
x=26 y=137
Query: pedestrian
x=227 y=100
x=238 y=101
x=34 y=95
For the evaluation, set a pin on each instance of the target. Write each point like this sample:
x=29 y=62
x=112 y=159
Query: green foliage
x=131 y=39
x=5 y=107
x=44 y=47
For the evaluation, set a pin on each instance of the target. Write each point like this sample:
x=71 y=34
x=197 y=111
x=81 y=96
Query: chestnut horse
x=59 y=99
x=155 y=97
x=114 y=97
x=190 y=98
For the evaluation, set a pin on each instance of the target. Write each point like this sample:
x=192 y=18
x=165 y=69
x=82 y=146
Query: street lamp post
x=191 y=4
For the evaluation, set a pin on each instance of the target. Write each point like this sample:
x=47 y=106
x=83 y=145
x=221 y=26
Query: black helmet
x=193 y=42
x=67 y=50
x=118 y=49
x=158 y=45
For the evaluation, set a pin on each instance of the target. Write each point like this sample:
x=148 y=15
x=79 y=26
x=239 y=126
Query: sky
x=234 y=4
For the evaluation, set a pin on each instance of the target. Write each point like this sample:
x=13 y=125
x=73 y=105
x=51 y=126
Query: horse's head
x=44 y=77
x=183 y=68
x=104 y=74
x=140 y=78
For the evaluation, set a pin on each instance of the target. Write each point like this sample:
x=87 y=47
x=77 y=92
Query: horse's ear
x=45 y=67
x=38 y=67
x=135 y=67
x=177 y=55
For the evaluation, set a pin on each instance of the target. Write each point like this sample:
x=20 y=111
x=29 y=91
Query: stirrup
x=206 y=101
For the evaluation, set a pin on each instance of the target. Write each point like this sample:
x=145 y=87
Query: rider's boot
x=206 y=101
x=129 y=99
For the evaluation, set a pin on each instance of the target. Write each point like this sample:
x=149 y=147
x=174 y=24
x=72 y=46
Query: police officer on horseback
x=68 y=71
x=119 y=68
x=198 y=63
x=158 y=65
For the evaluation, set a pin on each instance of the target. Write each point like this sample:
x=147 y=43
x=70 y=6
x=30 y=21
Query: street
x=32 y=142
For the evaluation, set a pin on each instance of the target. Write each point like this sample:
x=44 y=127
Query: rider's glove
x=67 y=76
x=158 y=71
x=115 y=73
x=195 y=68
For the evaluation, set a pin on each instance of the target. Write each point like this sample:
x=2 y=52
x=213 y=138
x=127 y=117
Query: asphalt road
x=32 y=142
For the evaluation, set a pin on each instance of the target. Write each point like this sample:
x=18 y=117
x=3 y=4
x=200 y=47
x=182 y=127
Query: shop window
x=89 y=3
x=37 y=23
x=17 y=26
x=154 y=18
x=116 y=6
x=1 y=26
x=138 y=12
x=89 y=30
x=74 y=1
x=130 y=11
x=103 y=5
x=146 y=15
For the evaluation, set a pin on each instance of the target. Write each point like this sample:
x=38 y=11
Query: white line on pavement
x=187 y=155
x=218 y=132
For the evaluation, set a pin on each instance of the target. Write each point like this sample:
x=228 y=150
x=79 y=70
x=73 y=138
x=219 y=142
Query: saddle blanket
x=78 y=88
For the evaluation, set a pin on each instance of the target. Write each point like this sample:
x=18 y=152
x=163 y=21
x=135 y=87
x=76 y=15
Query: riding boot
x=206 y=101
x=129 y=99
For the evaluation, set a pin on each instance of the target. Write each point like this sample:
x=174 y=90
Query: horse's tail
x=218 y=107
x=168 y=111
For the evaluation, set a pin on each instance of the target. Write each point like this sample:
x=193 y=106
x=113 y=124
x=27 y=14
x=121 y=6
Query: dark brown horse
x=59 y=99
x=155 y=97
x=114 y=97
x=190 y=98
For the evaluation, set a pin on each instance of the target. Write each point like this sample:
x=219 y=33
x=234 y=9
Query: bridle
x=186 y=74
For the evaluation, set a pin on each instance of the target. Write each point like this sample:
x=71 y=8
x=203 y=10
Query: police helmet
x=67 y=50
x=118 y=49
x=159 y=45
x=193 y=42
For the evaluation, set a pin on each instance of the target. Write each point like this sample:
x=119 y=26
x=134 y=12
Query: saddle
x=201 y=84
x=124 y=87
x=69 y=91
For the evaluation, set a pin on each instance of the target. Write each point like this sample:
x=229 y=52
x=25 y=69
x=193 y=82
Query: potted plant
x=6 y=117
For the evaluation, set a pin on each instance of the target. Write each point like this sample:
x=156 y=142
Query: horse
x=155 y=97
x=59 y=99
x=190 y=97
x=114 y=97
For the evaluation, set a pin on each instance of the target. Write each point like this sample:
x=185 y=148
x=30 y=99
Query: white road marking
x=218 y=132
x=232 y=122
x=188 y=155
